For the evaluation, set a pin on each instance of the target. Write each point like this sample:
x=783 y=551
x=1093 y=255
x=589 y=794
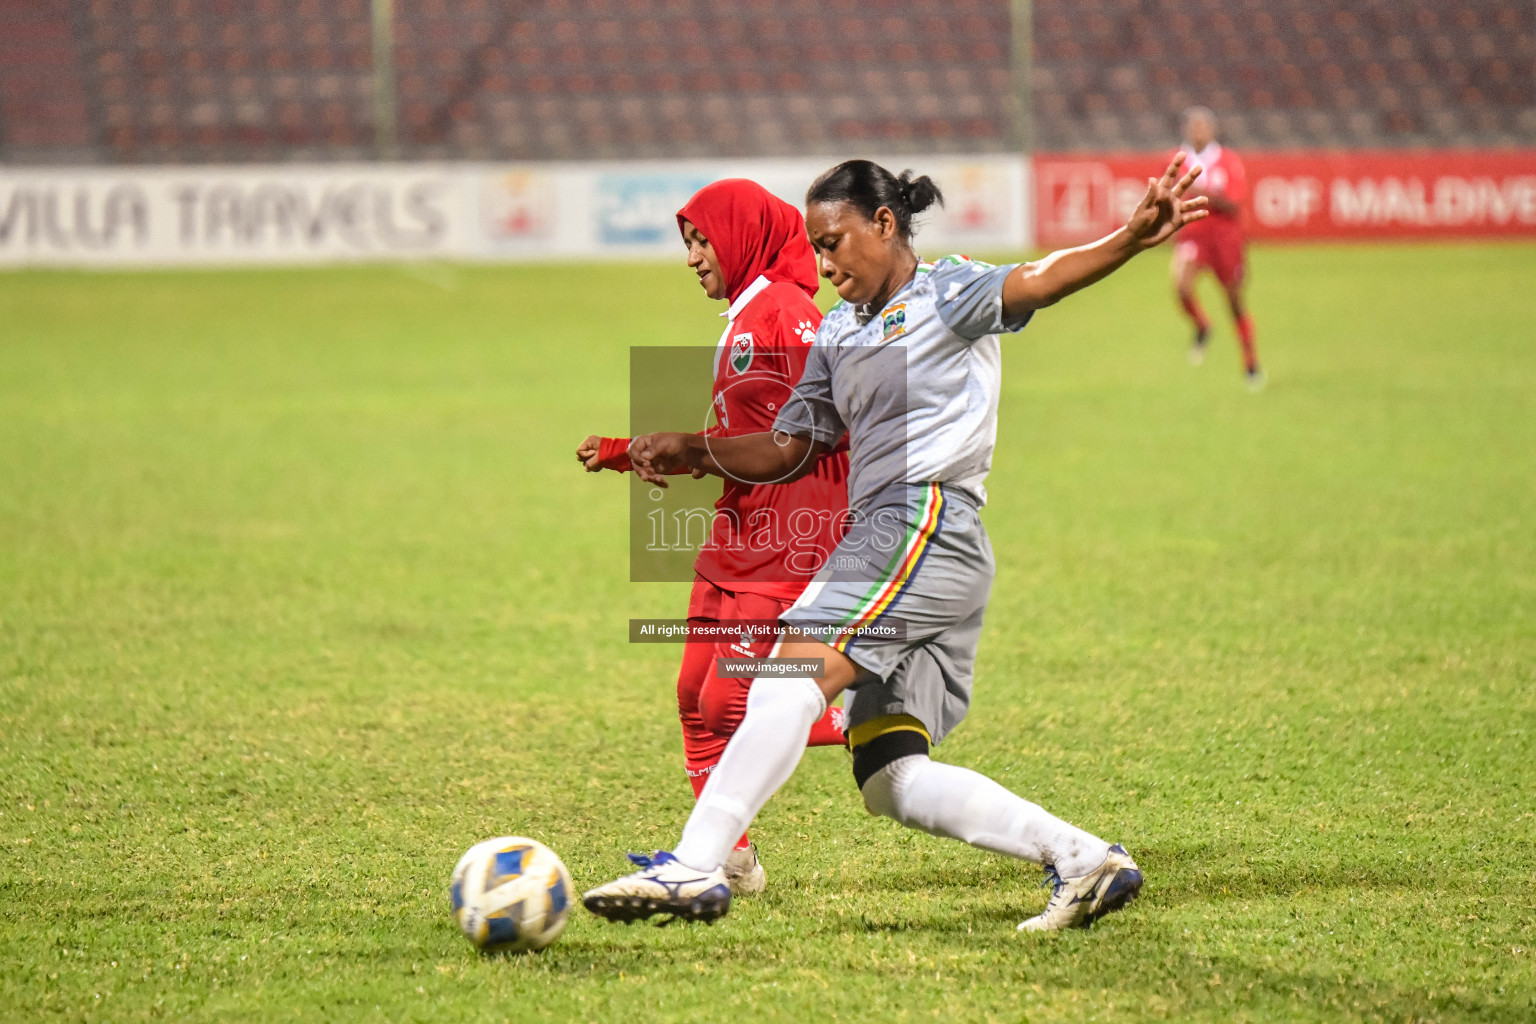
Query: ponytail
x=866 y=186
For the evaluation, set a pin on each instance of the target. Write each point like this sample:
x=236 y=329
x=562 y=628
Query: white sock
x=759 y=759
x=957 y=803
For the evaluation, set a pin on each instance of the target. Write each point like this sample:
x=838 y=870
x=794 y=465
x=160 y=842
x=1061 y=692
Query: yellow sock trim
x=864 y=732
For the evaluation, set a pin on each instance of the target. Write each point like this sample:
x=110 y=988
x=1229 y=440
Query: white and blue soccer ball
x=510 y=895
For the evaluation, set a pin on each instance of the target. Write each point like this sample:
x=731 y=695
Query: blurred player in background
x=750 y=248
x=1216 y=243
x=909 y=368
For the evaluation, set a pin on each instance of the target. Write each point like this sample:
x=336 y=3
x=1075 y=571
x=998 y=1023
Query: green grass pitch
x=302 y=593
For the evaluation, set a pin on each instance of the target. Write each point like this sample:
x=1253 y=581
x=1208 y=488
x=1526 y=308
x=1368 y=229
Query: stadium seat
x=1303 y=73
x=135 y=80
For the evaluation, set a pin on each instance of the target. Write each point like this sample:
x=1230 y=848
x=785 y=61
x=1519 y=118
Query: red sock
x=1245 y=335
x=828 y=730
x=1192 y=308
x=698 y=775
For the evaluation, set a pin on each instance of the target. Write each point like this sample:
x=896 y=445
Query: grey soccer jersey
x=915 y=386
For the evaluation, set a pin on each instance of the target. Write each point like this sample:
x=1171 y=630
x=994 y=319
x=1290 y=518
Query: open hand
x=1163 y=210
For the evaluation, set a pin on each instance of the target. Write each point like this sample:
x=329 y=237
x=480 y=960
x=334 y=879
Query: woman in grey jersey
x=908 y=364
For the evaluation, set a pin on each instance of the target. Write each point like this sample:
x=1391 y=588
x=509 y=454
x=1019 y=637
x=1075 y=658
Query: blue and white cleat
x=663 y=885
x=1078 y=902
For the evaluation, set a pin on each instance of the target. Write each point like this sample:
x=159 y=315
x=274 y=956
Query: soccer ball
x=510 y=895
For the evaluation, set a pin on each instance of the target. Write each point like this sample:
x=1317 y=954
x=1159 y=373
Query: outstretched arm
x=771 y=457
x=1161 y=212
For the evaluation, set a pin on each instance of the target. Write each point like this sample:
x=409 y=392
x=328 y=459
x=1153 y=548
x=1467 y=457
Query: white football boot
x=1078 y=902
x=663 y=885
x=744 y=872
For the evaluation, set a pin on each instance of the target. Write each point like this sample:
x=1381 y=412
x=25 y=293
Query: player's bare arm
x=768 y=457
x=1161 y=212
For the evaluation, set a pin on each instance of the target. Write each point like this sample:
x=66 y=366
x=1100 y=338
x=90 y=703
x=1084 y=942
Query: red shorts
x=708 y=603
x=1218 y=247
x=712 y=706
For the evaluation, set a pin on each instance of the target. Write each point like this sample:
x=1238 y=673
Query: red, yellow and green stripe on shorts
x=884 y=591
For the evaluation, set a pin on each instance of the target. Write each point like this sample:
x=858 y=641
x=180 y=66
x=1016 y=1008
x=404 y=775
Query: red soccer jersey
x=770 y=538
x=1223 y=176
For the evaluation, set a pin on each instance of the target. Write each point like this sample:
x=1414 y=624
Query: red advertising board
x=1311 y=195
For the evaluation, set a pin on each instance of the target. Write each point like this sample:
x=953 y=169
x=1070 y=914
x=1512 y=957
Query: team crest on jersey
x=741 y=352
x=895 y=321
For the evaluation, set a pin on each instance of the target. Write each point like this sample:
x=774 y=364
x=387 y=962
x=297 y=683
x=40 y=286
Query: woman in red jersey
x=767 y=542
x=1215 y=243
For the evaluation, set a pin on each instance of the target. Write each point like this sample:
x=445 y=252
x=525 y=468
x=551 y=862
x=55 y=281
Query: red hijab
x=753 y=232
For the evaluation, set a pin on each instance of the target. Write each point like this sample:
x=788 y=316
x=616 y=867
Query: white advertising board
x=282 y=214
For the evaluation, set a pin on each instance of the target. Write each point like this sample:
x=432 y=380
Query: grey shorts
x=903 y=596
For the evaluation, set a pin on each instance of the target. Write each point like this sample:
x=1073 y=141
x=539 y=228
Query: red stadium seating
x=44 y=99
x=243 y=80
x=1377 y=73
